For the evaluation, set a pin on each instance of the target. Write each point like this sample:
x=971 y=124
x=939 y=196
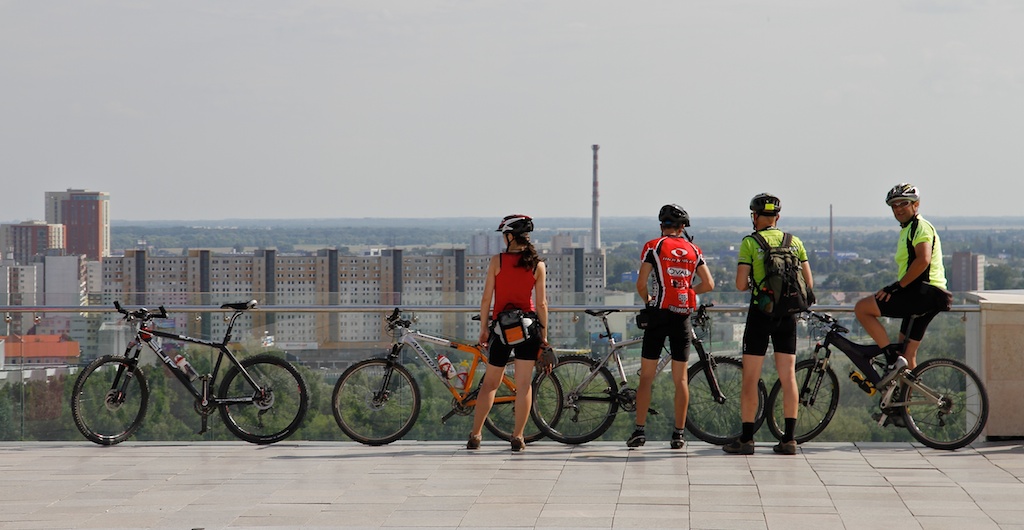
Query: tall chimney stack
x=595 y=220
x=831 y=239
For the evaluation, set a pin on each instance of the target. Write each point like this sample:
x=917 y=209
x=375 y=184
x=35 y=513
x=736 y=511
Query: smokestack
x=831 y=241
x=595 y=228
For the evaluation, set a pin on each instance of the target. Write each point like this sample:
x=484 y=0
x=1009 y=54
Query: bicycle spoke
x=569 y=411
x=273 y=410
x=109 y=400
x=376 y=404
x=946 y=407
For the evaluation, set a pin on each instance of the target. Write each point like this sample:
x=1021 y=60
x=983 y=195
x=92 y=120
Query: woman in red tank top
x=515 y=279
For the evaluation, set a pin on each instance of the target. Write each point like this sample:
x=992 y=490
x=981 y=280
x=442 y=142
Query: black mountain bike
x=578 y=401
x=262 y=399
x=942 y=402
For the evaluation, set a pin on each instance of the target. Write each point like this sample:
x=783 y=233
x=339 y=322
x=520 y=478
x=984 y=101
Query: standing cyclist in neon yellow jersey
x=760 y=327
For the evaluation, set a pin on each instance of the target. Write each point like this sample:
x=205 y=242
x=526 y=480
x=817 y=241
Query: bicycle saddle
x=601 y=312
x=240 y=306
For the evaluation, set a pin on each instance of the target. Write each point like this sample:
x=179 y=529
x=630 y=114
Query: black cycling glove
x=893 y=288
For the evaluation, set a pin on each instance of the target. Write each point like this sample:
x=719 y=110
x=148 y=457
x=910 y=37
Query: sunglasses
x=900 y=204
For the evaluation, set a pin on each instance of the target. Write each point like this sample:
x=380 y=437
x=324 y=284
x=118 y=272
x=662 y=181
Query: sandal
x=474 y=442
x=518 y=444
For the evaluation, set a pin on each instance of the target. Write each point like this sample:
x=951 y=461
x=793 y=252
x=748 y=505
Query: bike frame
x=861 y=355
x=144 y=335
x=613 y=356
x=467 y=395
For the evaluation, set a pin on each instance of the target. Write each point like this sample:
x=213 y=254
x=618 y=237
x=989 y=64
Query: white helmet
x=518 y=224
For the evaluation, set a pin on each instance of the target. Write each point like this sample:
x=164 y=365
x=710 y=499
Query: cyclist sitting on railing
x=672 y=259
x=515 y=279
x=919 y=294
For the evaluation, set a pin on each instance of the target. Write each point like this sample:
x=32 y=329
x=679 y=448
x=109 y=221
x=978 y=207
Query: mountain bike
x=262 y=399
x=942 y=402
x=377 y=401
x=578 y=401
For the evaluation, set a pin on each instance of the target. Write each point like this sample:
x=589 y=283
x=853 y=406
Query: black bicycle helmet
x=673 y=215
x=902 y=191
x=765 y=204
x=517 y=224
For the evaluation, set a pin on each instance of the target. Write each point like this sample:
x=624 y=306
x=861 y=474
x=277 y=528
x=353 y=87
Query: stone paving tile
x=440 y=484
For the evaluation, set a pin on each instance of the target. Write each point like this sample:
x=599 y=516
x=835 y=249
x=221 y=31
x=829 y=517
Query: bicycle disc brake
x=114 y=400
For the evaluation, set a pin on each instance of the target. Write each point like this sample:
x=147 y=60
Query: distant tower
x=86 y=219
x=595 y=220
x=831 y=241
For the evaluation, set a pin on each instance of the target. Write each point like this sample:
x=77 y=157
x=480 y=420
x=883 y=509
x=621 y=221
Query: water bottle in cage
x=186 y=368
x=443 y=364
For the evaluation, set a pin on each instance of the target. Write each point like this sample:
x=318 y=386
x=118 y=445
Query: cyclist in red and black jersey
x=669 y=264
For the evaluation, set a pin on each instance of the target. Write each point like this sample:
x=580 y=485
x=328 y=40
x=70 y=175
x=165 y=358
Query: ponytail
x=528 y=257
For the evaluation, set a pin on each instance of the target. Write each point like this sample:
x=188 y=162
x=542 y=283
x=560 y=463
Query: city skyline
x=424 y=109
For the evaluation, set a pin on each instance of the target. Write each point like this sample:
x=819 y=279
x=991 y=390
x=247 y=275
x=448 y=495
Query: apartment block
x=295 y=282
x=24 y=241
x=86 y=217
x=967 y=272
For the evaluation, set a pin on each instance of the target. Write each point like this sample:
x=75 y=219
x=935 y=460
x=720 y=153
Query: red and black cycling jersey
x=674 y=260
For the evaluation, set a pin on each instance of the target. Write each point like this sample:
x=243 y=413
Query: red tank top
x=513 y=286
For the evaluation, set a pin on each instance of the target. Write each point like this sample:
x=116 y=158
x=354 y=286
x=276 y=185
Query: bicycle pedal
x=653 y=412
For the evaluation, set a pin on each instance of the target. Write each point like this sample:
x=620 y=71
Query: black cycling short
x=761 y=327
x=917 y=300
x=673 y=326
x=498 y=352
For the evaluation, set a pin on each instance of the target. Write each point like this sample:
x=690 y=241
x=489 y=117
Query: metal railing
x=323 y=341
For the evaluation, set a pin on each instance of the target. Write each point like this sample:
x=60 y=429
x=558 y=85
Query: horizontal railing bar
x=718 y=308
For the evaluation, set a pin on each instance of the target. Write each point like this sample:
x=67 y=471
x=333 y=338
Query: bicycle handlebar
x=828 y=320
x=142 y=313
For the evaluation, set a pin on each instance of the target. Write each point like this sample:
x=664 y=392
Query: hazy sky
x=199 y=109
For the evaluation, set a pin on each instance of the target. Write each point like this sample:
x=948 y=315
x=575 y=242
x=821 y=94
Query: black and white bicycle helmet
x=673 y=215
x=765 y=204
x=902 y=191
x=518 y=224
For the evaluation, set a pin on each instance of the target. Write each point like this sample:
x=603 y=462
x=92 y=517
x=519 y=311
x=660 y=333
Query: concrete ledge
x=995 y=346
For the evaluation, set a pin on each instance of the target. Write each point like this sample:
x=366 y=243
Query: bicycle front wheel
x=819 y=398
x=273 y=409
x=576 y=402
x=376 y=401
x=945 y=405
x=109 y=400
x=501 y=421
x=706 y=418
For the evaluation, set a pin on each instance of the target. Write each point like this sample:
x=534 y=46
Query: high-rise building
x=86 y=218
x=21 y=242
x=968 y=272
x=20 y=285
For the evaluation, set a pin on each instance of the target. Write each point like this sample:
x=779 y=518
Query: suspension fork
x=812 y=383
x=124 y=374
x=382 y=393
x=709 y=370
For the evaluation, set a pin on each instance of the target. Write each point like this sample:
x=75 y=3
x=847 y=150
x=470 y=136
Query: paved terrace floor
x=598 y=485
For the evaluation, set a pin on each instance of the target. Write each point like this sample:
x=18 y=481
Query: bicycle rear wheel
x=109 y=400
x=270 y=412
x=376 y=401
x=569 y=408
x=501 y=421
x=817 y=403
x=946 y=406
x=711 y=421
